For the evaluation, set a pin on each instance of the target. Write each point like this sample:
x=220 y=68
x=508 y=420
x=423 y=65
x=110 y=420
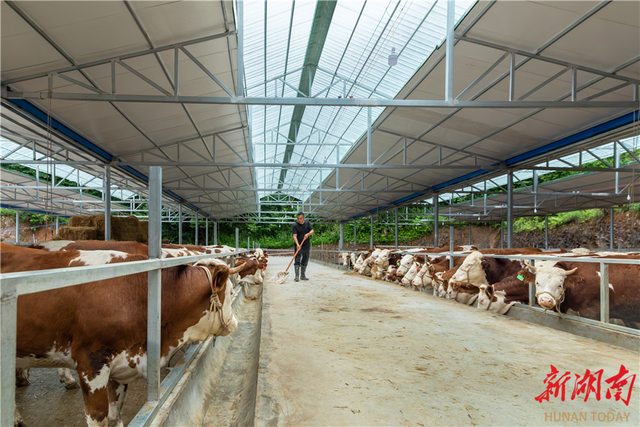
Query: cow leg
x=65 y=377
x=94 y=385
x=117 y=392
x=22 y=377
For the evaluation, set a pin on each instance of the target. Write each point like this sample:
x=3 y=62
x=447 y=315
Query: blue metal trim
x=16 y=208
x=35 y=111
x=404 y=199
x=462 y=178
x=43 y=117
x=601 y=128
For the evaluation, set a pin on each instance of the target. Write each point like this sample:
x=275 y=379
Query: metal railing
x=604 y=280
x=12 y=285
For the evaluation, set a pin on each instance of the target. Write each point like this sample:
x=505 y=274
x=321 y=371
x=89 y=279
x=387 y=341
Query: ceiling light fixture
x=393 y=57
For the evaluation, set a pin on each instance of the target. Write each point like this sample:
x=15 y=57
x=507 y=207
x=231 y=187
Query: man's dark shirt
x=300 y=230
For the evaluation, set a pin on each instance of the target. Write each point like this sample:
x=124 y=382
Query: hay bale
x=84 y=221
x=91 y=227
x=78 y=233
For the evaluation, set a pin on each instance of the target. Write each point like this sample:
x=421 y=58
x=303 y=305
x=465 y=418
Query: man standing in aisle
x=302 y=229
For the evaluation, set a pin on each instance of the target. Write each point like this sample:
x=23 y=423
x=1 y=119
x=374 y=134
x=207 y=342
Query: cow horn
x=568 y=272
x=532 y=268
x=237 y=269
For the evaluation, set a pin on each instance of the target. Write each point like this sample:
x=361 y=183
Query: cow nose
x=545 y=302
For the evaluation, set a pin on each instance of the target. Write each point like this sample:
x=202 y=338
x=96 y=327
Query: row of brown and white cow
x=496 y=284
x=99 y=328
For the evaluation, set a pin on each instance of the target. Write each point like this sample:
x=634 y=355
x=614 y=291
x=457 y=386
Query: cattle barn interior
x=394 y=112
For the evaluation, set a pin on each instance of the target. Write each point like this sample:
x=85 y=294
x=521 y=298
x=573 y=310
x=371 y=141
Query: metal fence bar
x=8 y=316
x=604 y=292
x=154 y=285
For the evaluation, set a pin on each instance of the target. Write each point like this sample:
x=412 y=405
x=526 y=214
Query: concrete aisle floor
x=342 y=350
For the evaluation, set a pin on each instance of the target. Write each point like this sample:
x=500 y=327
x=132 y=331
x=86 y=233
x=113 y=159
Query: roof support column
x=180 y=224
x=154 y=296
x=355 y=235
x=512 y=77
x=451 y=14
x=546 y=231
x=106 y=194
x=215 y=233
x=451 y=244
x=395 y=210
x=435 y=220
x=611 y=228
x=57 y=224
x=510 y=209
x=616 y=155
x=341 y=242
x=237 y=239
x=371 y=234
x=368 y=135
x=206 y=231
x=17 y=226
x=196 y=229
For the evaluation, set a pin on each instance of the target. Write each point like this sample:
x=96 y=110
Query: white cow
x=358 y=264
x=345 y=258
x=423 y=281
x=380 y=265
x=365 y=270
x=411 y=274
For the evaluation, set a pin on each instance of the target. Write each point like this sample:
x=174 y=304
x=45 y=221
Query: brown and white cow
x=500 y=297
x=576 y=286
x=369 y=262
x=99 y=328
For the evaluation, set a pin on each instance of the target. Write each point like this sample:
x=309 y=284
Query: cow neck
x=215 y=304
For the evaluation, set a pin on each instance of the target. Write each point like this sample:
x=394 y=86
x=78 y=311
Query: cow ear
x=561 y=264
x=490 y=291
x=484 y=264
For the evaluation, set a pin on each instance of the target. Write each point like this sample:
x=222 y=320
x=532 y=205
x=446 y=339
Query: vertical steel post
x=196 y=229
x=57 y=224
x=616 y=154
x=180 y=224
x=604 y=292
x=532 y=288
x=451 y=17
x=368 y=136
x=240 y=39
x=215 y=233
x=451 y=244
x=546 y=231
x=206 y=231
x=237 y=239
x=574 y=84
x=106 y=193
x=248 y=243
x=341 y=245
x=8 y=338
x=469 y=234
x=395 y=211
x=17 y=226
x=510 y=209
x=535 y=191
x=611 y=228
x=355 y=235
x=436 y=212
x=154 y=297
x=501 y=234
x=371 y=233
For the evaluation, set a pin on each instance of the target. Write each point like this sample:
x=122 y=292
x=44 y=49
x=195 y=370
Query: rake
x=282 y=276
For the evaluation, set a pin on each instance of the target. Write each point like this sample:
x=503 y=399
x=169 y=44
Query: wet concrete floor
x=342 y=349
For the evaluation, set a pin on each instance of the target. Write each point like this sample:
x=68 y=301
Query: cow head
x=221 y=321
x=411 y=274
x=383 y=257
x=472 y=270
x=406 y=262
x=345 y=258
x=550 y=285
x=485 y=295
